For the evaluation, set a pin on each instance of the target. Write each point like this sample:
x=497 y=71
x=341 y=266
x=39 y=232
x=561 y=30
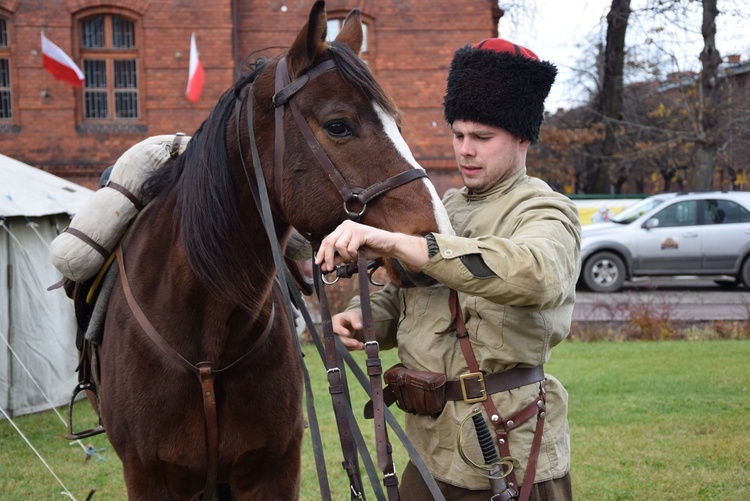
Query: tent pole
x=11 y=359
x=7 y=314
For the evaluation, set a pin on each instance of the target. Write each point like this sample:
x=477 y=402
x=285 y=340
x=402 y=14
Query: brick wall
x=410 y=47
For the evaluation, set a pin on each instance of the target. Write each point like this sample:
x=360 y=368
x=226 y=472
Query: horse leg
x=274 y=477
x=143 y=483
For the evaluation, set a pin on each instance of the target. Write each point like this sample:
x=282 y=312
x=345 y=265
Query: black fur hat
x=499 y=83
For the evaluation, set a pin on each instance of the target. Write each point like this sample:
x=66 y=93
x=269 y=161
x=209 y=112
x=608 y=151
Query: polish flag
x=57 y=62
x=195 y=75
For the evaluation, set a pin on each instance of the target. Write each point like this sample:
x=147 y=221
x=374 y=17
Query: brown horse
x=200 y=270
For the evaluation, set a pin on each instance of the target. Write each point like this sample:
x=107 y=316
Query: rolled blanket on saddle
x=81 y=250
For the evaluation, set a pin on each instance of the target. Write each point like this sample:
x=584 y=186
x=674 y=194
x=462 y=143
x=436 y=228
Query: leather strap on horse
x=278 y=139
x=204 y=371
x=126 y=193
x=375 y=371
x=206 y=377
x=364 y=381
x=337 y=389
x=260 y=196
x=90 y=241
x=503 y=426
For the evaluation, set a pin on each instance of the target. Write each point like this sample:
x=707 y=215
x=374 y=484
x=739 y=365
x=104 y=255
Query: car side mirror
x=651 y=223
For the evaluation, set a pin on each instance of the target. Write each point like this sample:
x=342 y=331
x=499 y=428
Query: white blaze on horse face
x=391 y=130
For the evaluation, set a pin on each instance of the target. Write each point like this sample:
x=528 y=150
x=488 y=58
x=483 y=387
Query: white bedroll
x=81 y=250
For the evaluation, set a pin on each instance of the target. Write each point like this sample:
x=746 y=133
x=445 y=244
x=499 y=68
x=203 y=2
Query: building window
x=6 y=107
x=334 y=26
x=110 y=63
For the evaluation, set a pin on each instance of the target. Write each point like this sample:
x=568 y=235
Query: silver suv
x=671 y=234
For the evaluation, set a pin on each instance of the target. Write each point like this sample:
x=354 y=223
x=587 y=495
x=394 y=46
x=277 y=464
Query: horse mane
x=358 y=74
x=207 y=205
x=207 y=208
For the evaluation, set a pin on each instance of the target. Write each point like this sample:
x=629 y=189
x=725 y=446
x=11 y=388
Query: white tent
x=38 y=355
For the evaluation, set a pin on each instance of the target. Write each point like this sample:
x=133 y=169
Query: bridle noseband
x=285 y=91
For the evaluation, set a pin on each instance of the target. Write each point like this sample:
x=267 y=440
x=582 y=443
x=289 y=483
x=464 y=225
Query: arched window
x=6 y=105
x=109 y=53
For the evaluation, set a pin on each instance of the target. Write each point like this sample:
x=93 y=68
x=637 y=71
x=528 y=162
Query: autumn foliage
x=656 y=138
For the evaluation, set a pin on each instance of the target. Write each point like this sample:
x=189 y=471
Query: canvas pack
x=81 y=250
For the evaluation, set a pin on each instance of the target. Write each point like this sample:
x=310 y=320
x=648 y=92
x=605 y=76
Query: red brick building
x=135 y=55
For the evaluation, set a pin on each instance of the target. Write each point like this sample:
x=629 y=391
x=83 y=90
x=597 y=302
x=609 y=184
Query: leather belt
x=476 y=386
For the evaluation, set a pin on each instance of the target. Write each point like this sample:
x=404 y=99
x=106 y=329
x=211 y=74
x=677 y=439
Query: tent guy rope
x=36 y=383
x=65 y=491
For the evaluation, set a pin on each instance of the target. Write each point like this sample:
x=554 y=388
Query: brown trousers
x=413 y=488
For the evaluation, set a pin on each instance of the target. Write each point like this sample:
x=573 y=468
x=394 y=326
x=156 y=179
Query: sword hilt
x=500 y=489
x=485 y=439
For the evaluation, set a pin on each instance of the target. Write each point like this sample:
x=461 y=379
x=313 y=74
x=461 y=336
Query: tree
x=610 y=98
x=671 y=128
x=709 y=103
x=560 y=155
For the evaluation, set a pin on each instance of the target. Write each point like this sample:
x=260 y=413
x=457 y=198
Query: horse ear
x=310 y=41
x=351 y=32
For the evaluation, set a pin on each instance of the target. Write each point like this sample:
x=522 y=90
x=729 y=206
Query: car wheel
x=745 y=275
x=604 y=272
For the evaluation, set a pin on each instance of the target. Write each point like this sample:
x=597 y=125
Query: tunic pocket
x=486 y=323
x=424 y=304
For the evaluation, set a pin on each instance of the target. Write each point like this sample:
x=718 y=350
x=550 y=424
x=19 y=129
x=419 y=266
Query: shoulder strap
x=502 y=426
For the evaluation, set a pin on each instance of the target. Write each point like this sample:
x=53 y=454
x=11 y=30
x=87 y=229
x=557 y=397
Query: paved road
x=679 y=299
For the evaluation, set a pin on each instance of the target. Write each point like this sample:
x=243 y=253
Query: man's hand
x=341 y=246
x=345 y=325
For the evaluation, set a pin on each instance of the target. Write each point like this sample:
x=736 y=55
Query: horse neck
x=165 y=244
x=166 y=285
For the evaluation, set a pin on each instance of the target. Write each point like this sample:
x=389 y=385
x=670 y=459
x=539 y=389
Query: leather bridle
x=285 y=91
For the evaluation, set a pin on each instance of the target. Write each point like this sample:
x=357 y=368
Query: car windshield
x=630 y=214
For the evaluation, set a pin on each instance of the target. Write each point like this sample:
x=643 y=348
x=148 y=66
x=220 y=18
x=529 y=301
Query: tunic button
x=448 y=252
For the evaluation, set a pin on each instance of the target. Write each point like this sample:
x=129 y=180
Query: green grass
x=658 y=420
x=661 y=420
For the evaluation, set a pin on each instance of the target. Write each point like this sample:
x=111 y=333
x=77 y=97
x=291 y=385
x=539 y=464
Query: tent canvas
x=38 y=356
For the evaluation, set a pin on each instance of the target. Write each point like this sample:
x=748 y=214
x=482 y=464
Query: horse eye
x=339 y=129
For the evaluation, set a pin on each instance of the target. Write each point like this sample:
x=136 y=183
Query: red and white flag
x=57 y=62
x=195 y=75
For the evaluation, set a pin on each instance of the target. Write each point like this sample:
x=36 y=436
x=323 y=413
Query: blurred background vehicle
x=671 y=234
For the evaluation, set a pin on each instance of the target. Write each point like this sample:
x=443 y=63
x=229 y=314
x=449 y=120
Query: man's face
x=486 y=155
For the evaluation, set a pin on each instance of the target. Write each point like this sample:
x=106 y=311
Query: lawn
x=663 y=420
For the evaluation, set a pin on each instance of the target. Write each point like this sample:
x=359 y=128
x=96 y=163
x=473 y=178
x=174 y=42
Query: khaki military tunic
x=529 y=237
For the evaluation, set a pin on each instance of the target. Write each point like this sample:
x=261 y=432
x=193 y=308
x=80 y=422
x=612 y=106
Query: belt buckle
x=482 y=391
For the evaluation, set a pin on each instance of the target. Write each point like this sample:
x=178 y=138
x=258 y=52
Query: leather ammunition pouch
x=417 y=392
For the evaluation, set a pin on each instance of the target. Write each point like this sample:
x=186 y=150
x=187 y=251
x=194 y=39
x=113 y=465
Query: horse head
x=352 y=162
